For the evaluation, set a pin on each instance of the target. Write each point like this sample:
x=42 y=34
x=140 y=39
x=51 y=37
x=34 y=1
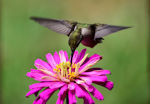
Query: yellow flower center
x=65 y=69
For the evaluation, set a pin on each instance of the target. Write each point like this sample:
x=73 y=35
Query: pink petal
x=88 y=99
x=40 y=64
x=71 y=86
x=38 y=85
x=62 y=94
x=87 y=87
x=56 y=58
x=82 y=93
x=97 y=94
x=51 y=60
x=93 y=58
x=66 y=55
x=61 y=99
x=98 y=78
x=94 y=69
x=62 y=56
x=62 y=90
x=90 y=61
x=38 y=75
x=72 y=98
x=79 y=92
x=108 y=84
x=75 y=56
x=46 y=94
x=33 y=91
x=38 y=100
x=80 y=56
x=52 y=85
x=86 y=79
x=35 y=74
x=103 y=72
x=96 y=72
x=55 y=85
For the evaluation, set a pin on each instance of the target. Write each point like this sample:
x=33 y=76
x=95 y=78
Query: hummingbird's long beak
x=72 y=53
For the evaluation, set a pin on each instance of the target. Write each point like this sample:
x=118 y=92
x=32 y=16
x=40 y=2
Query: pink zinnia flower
x=75 y=79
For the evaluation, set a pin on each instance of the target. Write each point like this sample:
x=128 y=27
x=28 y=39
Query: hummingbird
x=87 y=34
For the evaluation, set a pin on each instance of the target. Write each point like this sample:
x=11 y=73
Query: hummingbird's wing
x=59 y=26
x=104 y=30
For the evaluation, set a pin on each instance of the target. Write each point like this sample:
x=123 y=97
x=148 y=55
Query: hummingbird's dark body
x=87 y=34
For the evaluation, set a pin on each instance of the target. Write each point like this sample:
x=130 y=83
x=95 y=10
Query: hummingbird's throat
x=67 y=70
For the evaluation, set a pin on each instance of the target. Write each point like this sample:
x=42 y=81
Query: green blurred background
x=124 y=53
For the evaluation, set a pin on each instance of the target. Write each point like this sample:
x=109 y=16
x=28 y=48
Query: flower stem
x=67 y=100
